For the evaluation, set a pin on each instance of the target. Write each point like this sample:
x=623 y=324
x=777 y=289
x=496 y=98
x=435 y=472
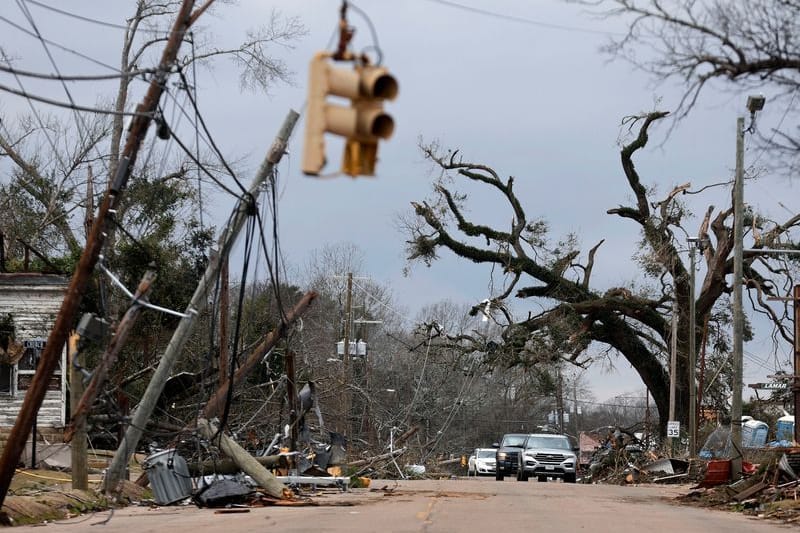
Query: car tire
x=541 y=479
x=498 y=476
x=569 y=478
x=522 y=475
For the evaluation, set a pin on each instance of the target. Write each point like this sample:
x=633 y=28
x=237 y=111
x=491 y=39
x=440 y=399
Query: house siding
x=34 y=300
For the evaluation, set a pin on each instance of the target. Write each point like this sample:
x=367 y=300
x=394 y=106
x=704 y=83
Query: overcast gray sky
x=532 y=97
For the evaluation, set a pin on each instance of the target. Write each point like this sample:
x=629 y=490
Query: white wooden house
x=32 y=300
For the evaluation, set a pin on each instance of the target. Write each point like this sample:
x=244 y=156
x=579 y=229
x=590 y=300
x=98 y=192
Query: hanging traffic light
x=363 y=123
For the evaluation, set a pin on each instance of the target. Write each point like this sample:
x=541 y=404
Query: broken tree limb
x=370 y=460
x=405 y=436
x=242 y=211
x=110 y=356
x=228 y=466
x=217 y=402
x=244 y=460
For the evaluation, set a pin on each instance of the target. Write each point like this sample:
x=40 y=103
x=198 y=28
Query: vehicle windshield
x=513 y=440
x=561 y=443
x=485 y=454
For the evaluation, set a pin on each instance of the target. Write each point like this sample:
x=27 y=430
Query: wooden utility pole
x=83 y=271
x=291 y=393
x=78 y=448
x=575 y=405
x=692 y=355
x=560 y=401
x=75 y=360
x=796 y=379
x=199 y=300
x=244 y=460
x=81 y=408
x=224 y=309
x=738 y=310
x=346 y=358
x=673 y=359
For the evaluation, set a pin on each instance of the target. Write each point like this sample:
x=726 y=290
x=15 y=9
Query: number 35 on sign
x=673 y=428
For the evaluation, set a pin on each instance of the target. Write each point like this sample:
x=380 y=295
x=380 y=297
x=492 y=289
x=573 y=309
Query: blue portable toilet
x=784 y=430
x=754 y=433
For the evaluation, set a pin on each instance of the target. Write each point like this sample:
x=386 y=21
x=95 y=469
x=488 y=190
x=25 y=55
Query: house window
x=26 y=366
x=7 y=378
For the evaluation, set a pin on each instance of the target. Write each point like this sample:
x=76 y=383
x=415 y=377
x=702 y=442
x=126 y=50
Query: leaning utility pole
x=77 y=286
x=242 y=211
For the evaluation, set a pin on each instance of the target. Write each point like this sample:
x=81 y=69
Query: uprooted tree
x=634 y=322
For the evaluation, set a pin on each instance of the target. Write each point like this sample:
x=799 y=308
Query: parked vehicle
x=547 y=455
x=507 y=454
x=482 y=462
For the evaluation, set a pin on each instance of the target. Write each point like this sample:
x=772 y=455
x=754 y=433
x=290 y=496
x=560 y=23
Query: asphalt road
x=456 y=505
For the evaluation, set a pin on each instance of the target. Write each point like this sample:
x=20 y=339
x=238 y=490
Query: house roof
x=33 y=278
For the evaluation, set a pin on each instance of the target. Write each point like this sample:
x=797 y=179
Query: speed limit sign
x=673 y=428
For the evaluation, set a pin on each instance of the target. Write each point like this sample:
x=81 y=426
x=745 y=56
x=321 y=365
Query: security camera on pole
x=363 y=123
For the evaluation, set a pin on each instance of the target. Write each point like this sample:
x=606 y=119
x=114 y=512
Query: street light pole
x=738 y=313
x=754 y=104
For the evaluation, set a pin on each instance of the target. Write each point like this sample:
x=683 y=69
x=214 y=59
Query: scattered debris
x=223 y=491
x=766 y=490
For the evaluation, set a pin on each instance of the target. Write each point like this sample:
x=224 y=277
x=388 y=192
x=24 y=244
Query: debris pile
x=766 y=490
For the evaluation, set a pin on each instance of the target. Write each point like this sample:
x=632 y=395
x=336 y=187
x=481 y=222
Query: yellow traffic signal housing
x=363 y=123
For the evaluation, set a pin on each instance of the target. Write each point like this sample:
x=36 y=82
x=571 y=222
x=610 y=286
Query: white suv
x=481 y=461
x=547 y=455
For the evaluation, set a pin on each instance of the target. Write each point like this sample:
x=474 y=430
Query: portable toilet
x=784 y=430
x=754 y=433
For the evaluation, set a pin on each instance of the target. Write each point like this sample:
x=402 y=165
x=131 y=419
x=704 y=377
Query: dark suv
x=507 y=455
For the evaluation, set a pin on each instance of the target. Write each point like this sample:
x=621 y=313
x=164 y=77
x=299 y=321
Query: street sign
x=673 y=429
x=769 y=386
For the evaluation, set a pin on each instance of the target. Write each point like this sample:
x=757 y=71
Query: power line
x=382 y=303
x=202 y=166
x=39 y=120
x=68 y=105
x=523 y=20
x=208 y=133
x=80 y=123
x=59 y=46
x=85 y=18
x=61 y=77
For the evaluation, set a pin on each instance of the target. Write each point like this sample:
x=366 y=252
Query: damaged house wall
x=32 y=301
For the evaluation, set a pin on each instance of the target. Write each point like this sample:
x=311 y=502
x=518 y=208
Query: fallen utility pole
x=241 y=212
x=214 y=406
x=109 y=357
x=244 y=460
x=222 y=467
x=51 y=354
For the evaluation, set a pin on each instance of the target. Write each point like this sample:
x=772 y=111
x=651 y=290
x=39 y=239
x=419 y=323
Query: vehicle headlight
x=501 y=455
